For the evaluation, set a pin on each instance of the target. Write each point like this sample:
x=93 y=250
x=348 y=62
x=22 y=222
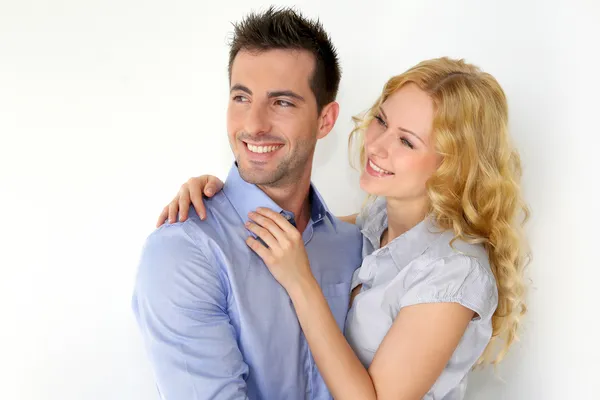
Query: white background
x=106 y=107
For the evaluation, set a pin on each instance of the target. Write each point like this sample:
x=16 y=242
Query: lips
x=259 y=149
x=375 y=170
x=261 y=152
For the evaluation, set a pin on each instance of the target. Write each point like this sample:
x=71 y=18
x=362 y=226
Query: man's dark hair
x=285 y=28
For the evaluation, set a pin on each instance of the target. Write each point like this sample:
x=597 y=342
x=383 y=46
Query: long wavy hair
x=476 y=190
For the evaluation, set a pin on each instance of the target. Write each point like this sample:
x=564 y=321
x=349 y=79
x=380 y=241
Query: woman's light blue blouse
x=419 y=267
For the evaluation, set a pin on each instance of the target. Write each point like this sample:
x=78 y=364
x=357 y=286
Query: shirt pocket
x=338 y=298
x=335 y=289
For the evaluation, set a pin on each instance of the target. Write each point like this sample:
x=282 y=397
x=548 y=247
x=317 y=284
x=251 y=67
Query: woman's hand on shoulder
x=191 y=192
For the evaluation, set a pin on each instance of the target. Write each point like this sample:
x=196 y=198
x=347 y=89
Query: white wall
x=106 y=107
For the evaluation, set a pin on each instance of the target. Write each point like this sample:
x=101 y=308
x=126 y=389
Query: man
x=214 y=321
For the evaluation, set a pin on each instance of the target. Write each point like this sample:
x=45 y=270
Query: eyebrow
x=285 y=93
x=401 y=128
x=276 y=93
x=241 y=88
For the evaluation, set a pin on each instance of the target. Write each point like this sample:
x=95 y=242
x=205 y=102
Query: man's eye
x=284 y=103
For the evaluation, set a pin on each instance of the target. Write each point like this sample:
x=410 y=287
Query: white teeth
x=262 y=149
x=380 y=170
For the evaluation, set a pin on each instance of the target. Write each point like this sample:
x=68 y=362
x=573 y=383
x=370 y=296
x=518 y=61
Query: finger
x=173 y=206
x=195 y=186
x=268 y=224
x=183 y=204
x=262 y=233
x=162 y=218
x=213 y=186
x=278 y=219
x=259 y=249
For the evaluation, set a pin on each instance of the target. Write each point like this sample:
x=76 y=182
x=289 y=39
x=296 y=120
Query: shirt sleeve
x=455 y=279
x=355 y=279
x=180 y=305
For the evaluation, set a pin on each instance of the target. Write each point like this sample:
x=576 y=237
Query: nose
x=379 y=144
x=257 y=120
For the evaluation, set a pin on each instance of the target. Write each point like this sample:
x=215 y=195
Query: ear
x=329 y=115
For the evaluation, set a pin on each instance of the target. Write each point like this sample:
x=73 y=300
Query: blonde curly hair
x=476 y=189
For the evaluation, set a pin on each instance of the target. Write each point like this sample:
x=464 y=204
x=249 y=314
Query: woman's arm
x=413 y=353
x=411 y=357
x=342 y=371
x=351 y=219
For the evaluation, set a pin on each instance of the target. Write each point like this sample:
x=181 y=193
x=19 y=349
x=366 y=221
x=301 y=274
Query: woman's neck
x=402 y=216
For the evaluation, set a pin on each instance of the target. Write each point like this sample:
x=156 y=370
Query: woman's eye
x=407 y=143
x=380 y=120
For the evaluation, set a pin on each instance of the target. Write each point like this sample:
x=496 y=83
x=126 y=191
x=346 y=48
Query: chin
x=258 y=175
x=372 y=188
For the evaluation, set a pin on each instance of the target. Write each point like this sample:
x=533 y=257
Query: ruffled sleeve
x=456 y=279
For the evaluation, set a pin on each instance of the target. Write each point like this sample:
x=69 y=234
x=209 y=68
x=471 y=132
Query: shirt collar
x=246 y=197
x=406 y=247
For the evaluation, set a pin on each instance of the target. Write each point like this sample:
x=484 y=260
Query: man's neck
x=294 y=198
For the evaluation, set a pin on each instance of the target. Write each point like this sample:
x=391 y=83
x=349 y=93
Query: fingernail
x=209 y=191
x=202 y=216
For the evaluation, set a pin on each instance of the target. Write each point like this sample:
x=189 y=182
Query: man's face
x=272 y=118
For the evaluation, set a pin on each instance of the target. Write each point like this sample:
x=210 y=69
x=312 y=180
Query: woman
x=442 y=275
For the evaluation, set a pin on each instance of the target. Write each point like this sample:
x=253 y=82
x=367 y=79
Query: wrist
x=303 y=288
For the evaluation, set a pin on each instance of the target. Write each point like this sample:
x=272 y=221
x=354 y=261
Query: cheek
x=410 y=163
x=232 y=130
x=427 y=167
x=430 y=164
x=230 y=119
x=235 y=120
x=370 y=133
x=233 y=115
x=297 y=130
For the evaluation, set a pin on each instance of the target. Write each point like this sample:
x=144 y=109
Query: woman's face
x=399 y=146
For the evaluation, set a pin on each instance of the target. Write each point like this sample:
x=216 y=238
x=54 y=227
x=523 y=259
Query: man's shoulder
x=346 y=229
x=189 y=249
x=193 y=238
x=220 y=215
x=341 y=238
